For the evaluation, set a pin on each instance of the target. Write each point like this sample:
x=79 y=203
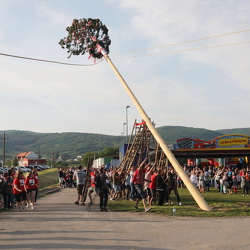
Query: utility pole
x=4 y=139
x=53 y=159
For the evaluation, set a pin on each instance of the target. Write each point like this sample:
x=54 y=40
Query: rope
x=176 y=51
x=195 y=40
x=48 y=61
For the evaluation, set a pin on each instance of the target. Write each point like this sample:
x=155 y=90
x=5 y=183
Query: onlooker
x=71 y=175
x=19 y=190
x=193 y=177
x=92 y=188
x=103 y=190
x=7 y=190
x=201 y=182
x=80 y=177
x=161 y=187
x=172 y=185
x=61 y=178
x=116 y=185
x=31 y=186
x=35 y=172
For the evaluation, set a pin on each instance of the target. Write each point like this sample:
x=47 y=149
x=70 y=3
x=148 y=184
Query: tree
x=110 y=151
x=15 y=162
x=89 y=156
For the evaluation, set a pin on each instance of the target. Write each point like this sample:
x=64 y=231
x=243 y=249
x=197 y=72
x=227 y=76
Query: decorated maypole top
x=86 y=35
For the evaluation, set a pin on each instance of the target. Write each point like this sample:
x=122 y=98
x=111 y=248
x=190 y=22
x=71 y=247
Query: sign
x=233 y=141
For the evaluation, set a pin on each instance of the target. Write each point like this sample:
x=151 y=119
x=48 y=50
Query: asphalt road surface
x=57 y=223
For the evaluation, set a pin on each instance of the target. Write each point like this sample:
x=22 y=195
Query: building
x=30 y=158
x=224 y=150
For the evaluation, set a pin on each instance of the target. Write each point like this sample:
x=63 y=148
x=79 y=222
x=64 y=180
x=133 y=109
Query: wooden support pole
x=192 y=189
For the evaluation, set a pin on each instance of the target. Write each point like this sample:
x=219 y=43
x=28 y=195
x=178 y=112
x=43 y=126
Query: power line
x=162 y=46
x=176 y=51
x=190 y=41
x=48 y=61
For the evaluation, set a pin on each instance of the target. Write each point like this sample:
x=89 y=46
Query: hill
x=241 y=131
x=172 y=133
x=70 y=145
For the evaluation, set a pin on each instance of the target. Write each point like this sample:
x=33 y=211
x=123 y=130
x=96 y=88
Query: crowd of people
x=146 y=183
x=17 y=190
x=228 y=180
x=151 y=184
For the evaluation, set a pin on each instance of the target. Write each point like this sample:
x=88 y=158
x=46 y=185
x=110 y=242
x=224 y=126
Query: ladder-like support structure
x=140 y=145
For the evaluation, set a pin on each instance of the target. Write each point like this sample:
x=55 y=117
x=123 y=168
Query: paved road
x=56 y=223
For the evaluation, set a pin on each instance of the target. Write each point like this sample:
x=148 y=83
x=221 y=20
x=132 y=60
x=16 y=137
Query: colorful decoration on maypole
x=86 y=36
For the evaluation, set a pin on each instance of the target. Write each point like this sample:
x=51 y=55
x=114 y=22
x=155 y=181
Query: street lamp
x=124 y=132
x=127 y=121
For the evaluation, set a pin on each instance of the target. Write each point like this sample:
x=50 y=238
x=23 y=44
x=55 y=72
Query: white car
x=24 y=169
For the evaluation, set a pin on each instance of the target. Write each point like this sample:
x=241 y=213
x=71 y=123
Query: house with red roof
x=30 y=158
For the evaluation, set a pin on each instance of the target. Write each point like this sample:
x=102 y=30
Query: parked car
x=46 y=166
x=29 y=167
x=24 y=169
x=38 y=167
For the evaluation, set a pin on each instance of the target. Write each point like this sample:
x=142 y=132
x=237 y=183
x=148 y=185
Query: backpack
x=98 y=181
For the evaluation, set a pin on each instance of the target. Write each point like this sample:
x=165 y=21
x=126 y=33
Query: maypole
x=90 y=35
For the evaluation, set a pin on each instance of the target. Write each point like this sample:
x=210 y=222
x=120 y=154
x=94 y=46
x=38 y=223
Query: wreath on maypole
x=86 y=35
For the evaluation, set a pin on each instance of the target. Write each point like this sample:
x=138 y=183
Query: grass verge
x=48 y=181
x=223 y=205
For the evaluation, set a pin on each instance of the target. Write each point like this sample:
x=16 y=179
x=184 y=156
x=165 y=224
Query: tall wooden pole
x=192 y=189
x=4 y=147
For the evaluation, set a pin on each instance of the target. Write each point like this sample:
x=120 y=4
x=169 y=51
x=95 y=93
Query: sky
x=199 y=84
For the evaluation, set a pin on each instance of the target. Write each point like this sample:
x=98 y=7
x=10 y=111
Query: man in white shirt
x=80 y=177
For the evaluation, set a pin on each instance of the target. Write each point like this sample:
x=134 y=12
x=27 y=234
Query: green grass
x=48 y=177
x=223 y=205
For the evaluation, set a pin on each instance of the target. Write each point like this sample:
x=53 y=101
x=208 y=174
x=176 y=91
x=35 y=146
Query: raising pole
x=191 y=188
x=90 y=35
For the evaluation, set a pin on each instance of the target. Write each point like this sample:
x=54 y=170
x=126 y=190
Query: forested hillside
x=172 y=133
x=70 y=145
x=241 y=131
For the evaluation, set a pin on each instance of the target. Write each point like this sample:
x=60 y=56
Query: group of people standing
x=19 y=190
x=153 y=185
x=227 y=179
x=147 y=182
x=87 y=185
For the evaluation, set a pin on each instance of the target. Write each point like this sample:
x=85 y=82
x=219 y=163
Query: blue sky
x=205 y=88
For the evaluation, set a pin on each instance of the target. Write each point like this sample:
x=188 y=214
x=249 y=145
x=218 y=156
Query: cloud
x=194 y=88
x=166 y=22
